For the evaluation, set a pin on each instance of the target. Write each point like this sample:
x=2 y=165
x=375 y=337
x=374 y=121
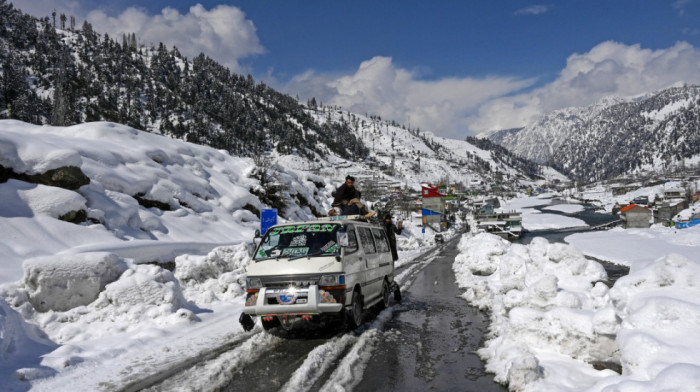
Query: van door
x=386 y=261
x=353 y=263
x=373 y=278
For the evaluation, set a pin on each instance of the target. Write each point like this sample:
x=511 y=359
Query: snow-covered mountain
x=614 y=136
x=64 y=75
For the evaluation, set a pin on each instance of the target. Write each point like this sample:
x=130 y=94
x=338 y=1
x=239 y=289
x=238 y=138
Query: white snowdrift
x=65 y=282
x=21 y=346
x=552 y=317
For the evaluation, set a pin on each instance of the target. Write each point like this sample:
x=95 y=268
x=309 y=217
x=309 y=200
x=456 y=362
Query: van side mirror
x=251 y=249
x=343 y=239
x=257 y=239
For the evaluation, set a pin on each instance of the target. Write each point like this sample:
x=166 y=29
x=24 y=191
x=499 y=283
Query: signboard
x=431 y=191
x=268 y=218
x=433 y=209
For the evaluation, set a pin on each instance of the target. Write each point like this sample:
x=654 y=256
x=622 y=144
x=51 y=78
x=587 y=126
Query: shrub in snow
x=65 y=282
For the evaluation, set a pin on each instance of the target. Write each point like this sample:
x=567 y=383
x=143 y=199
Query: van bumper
x=316 y=303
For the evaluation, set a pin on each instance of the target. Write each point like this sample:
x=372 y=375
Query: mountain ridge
x=614 y=136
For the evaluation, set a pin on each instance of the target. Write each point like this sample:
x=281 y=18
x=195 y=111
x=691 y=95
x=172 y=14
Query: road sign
x=268 y=218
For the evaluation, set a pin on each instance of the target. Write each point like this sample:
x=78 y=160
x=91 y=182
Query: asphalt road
x=426 y=342
x=431 y=338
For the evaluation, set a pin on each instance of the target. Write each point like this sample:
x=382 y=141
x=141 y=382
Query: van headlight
x=332 y=281
x=253 y=284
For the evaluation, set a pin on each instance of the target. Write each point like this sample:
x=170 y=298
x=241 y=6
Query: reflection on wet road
x=430 y=341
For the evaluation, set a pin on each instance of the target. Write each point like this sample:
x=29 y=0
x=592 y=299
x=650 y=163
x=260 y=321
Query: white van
x=336 y=266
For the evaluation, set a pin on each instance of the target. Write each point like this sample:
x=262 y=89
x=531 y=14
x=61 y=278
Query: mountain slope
x=614 y=136
x=69 y=76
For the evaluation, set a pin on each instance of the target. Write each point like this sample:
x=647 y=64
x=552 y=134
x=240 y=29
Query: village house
x=674 y=193
x=635 y=217
x=664 y=212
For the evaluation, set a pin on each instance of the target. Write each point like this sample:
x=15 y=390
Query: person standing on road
x=391 y=231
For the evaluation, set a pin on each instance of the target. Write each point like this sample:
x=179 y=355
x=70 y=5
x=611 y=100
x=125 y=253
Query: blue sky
x=452 y=67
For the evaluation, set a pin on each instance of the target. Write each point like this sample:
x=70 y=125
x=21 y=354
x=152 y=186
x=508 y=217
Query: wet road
x=426 y=342
x=431 y=339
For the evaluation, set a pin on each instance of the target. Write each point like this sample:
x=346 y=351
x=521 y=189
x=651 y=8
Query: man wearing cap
x=391 y=231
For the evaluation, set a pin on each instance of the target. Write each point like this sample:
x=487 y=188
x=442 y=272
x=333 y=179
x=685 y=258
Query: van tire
x=354 y=314
x=386 y=295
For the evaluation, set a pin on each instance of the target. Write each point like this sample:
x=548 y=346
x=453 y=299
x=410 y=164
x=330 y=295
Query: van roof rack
x=343 y=217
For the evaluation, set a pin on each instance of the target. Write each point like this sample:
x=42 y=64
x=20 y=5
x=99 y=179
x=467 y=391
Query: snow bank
x=553 y=317
x=218 y=276
x=65 y=282
x=660 y=333
x=544 y=298
x=21 y=347
x=144 y=285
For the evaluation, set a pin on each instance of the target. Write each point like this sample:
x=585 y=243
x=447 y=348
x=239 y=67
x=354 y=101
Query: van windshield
x=298 y=241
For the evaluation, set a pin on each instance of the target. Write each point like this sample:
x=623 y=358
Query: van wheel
x=386 y=293
x=355 y=312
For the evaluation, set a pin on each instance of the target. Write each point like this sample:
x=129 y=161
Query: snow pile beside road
x=218 y=276
x=554 y=323
x=140 y=302
x=544 y=298
x=21 y=345
x=660 y=333
x=65 y=282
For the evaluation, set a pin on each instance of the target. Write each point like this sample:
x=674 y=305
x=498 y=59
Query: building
x=674 y=193
x=635 y=217
x=665 y=211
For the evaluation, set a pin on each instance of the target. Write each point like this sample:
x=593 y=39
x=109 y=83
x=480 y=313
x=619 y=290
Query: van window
x=299 y=240
x=380 y=240
x=352 y=240
x=367 y=240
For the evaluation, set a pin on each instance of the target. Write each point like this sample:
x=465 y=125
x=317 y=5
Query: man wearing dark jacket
x=347 y=198
x=391 y=231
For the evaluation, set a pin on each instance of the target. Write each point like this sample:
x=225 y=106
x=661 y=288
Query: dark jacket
x=391 y=232
x=344 y=193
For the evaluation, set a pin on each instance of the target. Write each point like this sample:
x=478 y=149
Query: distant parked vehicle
x=439 y=238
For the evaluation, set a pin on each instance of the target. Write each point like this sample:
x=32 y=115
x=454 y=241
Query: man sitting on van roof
x=347 y=198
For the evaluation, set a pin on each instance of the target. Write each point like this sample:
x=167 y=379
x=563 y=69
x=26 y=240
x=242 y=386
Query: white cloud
x=379 y=87
x=609 y=69
x=533 y=10
x=223 y=33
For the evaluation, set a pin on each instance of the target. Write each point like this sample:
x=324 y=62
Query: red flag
x=431 y=191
